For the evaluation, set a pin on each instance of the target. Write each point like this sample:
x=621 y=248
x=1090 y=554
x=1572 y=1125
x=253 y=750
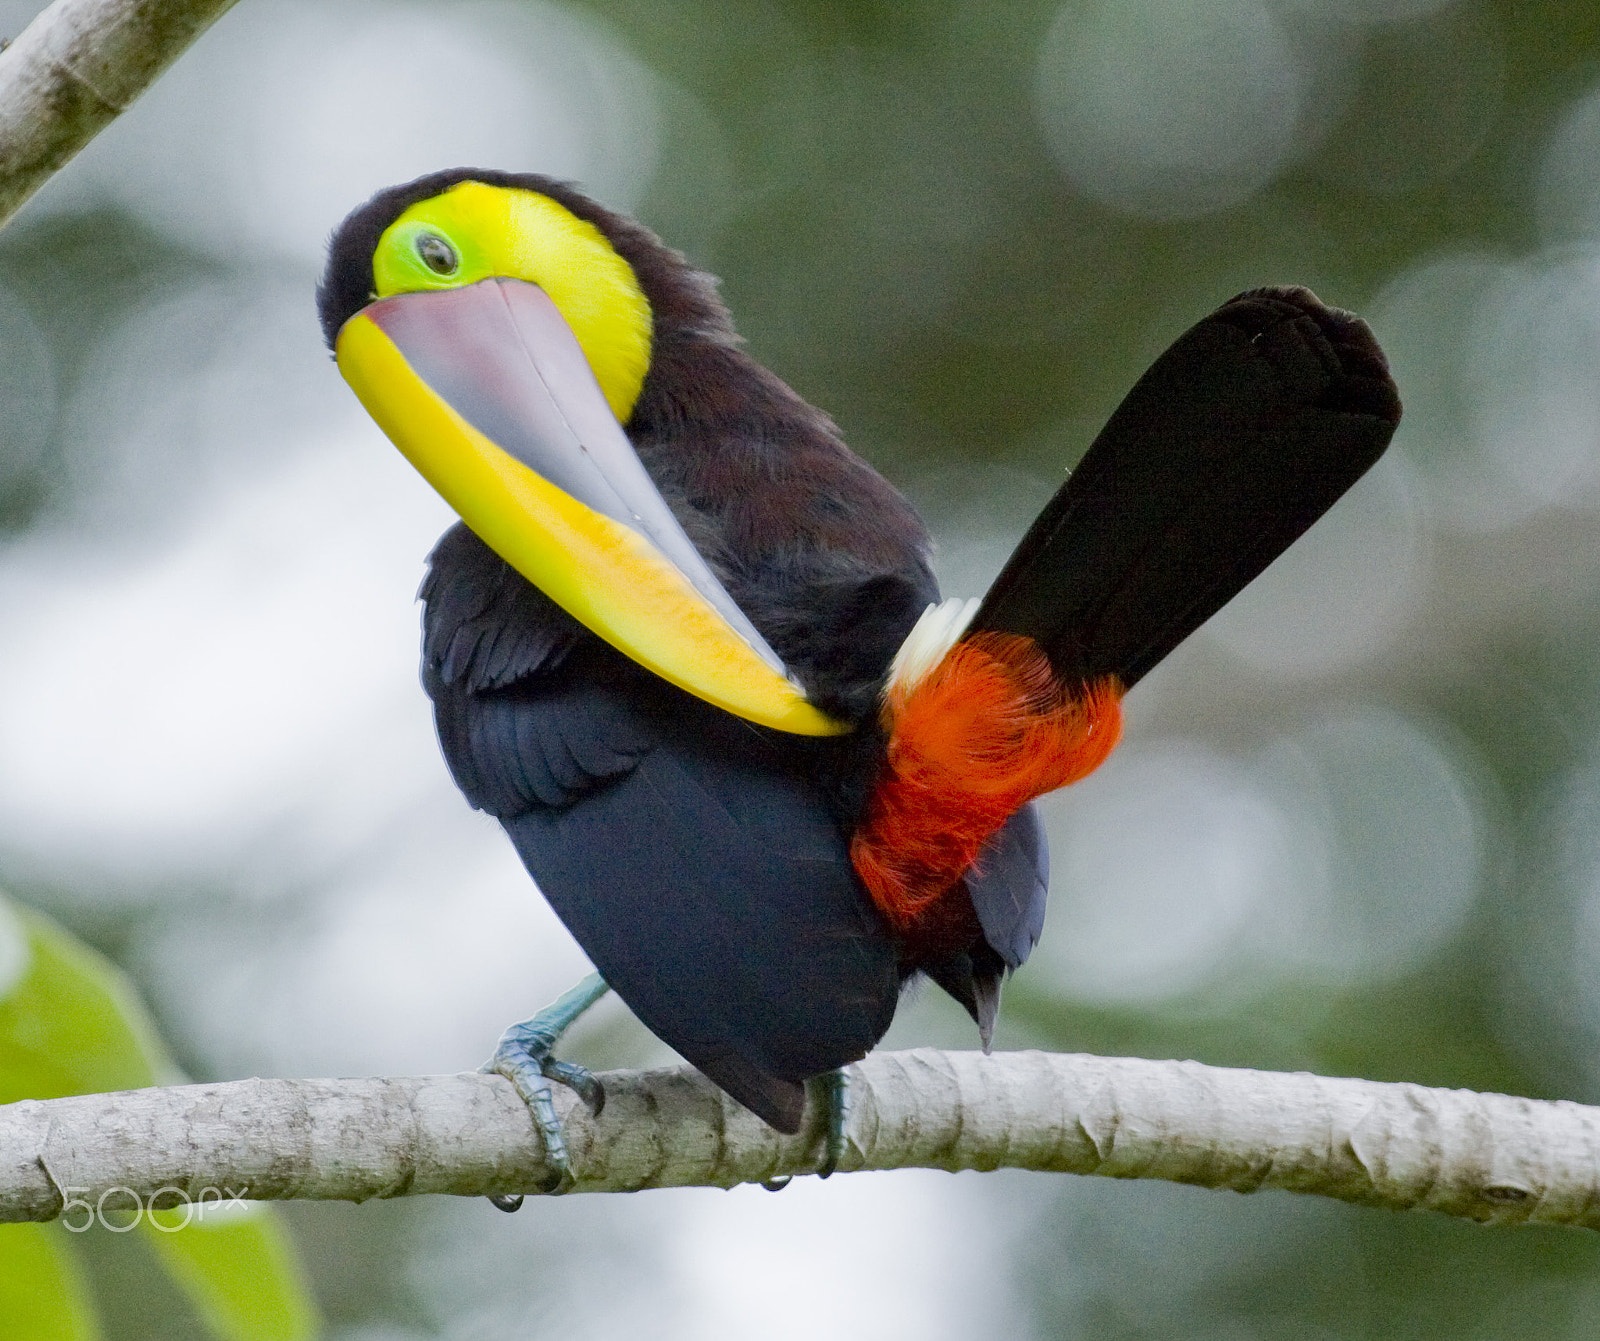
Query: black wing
x=1009 y=885
x=696 y=858
x=1237 y=439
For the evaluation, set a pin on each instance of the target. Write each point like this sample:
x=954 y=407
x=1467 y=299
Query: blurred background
x=1355 y=825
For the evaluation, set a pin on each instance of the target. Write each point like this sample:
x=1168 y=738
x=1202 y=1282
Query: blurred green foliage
x=70 y=1023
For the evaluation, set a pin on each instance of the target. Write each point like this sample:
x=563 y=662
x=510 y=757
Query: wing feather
x=697 y=859
x=1009 y=884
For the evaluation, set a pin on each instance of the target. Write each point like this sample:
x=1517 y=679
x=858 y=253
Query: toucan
x=689 y=651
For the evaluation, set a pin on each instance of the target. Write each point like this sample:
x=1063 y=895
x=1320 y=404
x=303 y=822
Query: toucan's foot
x=523 y=1057
x=836 y=1092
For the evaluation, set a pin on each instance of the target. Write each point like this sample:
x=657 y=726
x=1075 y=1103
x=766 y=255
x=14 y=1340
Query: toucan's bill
x=486 y=391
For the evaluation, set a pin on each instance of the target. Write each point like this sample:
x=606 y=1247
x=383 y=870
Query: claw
x=580 y=1079
x=523 y=1057
x=837 y=1097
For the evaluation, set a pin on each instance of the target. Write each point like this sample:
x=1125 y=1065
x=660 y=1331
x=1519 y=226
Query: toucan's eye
x=437 y=254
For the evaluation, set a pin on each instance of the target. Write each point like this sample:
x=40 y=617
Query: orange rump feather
x=986 y=731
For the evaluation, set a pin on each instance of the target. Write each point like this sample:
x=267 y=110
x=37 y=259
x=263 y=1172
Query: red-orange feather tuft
x=979 y=737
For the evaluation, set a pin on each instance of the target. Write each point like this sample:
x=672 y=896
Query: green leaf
x=42 y=1295
x=71 y=1023
x=239 y=1269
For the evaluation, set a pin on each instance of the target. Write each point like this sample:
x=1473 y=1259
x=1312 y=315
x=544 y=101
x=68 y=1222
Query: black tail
x=1238 y=438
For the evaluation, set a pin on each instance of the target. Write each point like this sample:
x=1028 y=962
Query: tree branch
x=1486 y=1157
x=73 y=70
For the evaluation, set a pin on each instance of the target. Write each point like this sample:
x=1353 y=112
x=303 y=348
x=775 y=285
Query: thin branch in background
x=74 y=70
x=1484 y=1157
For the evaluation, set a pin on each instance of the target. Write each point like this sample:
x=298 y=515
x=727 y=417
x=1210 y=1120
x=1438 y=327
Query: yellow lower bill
x=608 y=577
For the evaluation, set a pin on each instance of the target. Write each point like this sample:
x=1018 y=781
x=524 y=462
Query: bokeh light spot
x=1497 y=360
x=159 y=710
x=1533 y=364
x=1157 y=863
x=1428 y=93
x=201 y=388
x=1342 y=592
x=1403 y=839
x=1169 y=108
